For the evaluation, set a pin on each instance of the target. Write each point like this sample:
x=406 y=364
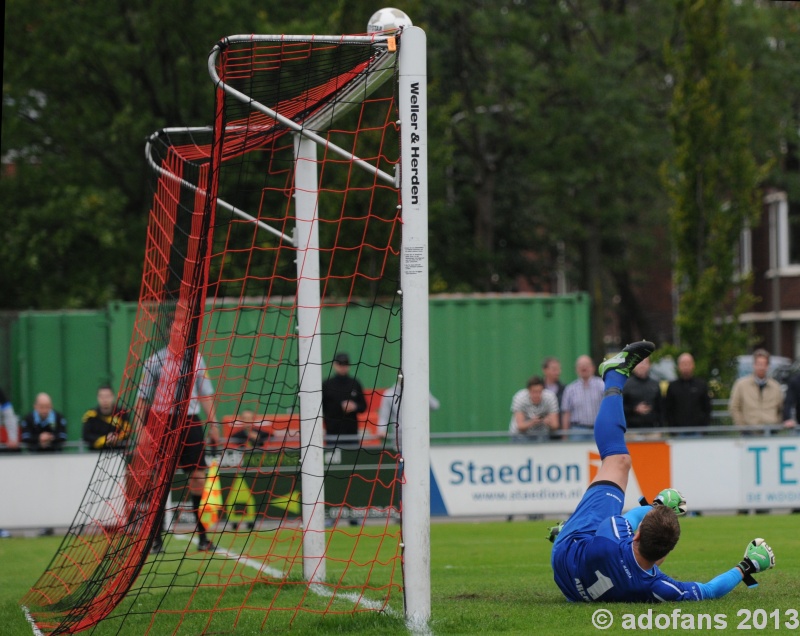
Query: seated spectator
x=9 y=421
x=535 y=412
x=44 y=429
x=105 y=426
x=248 y=435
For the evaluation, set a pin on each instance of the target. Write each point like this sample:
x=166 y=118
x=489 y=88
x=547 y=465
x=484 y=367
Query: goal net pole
x=310 y=358
x=415 y=355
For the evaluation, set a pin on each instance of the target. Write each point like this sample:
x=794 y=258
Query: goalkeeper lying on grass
x=601 y=555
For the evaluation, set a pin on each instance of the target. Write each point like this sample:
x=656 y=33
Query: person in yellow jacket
x=105 y=426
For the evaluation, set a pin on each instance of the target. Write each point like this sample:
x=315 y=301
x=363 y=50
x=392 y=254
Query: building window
x=792 y=211
x=784 y=234
x=744 y=261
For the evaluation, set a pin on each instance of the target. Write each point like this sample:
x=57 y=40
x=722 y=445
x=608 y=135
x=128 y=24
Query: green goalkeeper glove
x=670 y=498
x=757 y=557
x=553 y=532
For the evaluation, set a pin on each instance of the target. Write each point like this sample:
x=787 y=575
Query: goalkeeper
x=600 y=554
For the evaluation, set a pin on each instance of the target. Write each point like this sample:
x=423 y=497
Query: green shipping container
x=483 y=349
x=65 y=354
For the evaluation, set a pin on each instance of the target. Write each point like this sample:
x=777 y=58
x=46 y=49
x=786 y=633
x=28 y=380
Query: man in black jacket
x=688 y=402
x=791 y=405
x=342 y=401
x=641 y=398
x=44 y=429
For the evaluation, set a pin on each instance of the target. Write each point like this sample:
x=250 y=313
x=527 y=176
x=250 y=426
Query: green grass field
x=487 y=578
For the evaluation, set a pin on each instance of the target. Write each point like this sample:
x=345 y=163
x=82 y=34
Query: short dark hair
x=103 y=387
x=535 y=381
x=658 y=533
x=546 y=362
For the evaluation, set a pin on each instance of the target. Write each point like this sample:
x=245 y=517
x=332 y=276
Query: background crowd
x=547 y=409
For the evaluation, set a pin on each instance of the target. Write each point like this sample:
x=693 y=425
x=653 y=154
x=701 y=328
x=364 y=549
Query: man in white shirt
x=535 y=412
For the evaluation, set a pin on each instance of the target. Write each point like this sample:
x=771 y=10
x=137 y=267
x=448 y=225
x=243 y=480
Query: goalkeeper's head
x=658 y=533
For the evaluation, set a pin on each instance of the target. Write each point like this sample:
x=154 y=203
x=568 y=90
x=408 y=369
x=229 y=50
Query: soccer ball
x=388 y=20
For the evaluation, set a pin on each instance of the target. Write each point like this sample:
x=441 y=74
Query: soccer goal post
x=284 y=292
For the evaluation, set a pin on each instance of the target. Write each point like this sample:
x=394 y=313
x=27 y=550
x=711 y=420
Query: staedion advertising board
x=549 y=479
x=489 y=480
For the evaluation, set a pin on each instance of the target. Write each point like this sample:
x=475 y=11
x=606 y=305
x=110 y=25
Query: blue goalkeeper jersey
x=600 y=566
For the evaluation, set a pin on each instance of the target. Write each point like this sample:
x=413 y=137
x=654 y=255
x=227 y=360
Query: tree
x=84 y=84
x=548 y=130
x=714 y=184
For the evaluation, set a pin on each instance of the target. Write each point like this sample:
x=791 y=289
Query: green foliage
x=714 y=183
x=547 y=132
x=83 y=85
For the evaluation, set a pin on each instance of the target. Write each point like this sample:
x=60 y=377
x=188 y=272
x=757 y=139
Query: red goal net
x=261 y=485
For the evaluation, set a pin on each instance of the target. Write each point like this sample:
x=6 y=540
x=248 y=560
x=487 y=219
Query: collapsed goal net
x=282 y=317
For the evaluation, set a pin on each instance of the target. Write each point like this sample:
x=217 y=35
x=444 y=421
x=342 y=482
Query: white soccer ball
x=388 y=20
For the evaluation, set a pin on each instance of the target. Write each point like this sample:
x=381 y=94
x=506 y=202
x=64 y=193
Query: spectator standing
x=389 y=412
x=756 y=399
x=534 y=412
x=641 y=398
x=688 y=401
x=581 y=400
x=8 y=418
x=44 y=429
x=105 y=426
x=551 y=374
x=342 y=401
x=791 y=404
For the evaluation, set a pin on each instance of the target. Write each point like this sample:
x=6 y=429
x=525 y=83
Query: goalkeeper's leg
x=610 y=426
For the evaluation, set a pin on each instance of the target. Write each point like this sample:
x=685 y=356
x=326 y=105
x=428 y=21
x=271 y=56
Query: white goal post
x=412 y=96
x=412 y=181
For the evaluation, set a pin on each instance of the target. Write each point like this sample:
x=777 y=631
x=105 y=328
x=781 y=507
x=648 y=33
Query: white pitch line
x=316 y=588
x=261 y=567
x=357 y=599
x=29 y=618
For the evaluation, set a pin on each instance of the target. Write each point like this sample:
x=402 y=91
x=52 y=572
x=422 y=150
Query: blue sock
x=614 y=379
x=610 y=426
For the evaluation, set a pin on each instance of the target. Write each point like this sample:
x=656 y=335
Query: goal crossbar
x=360 y=85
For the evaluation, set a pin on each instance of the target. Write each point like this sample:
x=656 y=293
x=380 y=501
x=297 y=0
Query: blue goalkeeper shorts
x=603 y=499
